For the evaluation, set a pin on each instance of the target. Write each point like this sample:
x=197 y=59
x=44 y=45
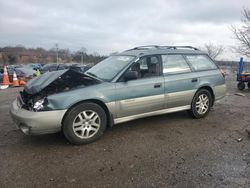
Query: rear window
x=173 y=64
x=201 y=62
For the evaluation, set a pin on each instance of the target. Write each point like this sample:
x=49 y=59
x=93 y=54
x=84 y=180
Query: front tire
x=201 y=104
x=84 y=123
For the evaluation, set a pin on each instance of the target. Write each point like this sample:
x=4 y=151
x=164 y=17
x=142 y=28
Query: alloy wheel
x=86 y=124
x=202 y=104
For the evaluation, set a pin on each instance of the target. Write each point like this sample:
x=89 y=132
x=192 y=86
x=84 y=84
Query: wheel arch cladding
x=210 y=90
x=110 y=120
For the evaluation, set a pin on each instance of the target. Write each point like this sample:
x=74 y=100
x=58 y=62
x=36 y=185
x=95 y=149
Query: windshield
x=110 y=67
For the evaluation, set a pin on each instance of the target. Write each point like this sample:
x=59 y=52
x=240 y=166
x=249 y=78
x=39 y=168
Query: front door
x=145 y=94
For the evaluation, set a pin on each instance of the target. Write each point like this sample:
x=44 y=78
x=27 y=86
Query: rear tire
x=84 y=123
x=248 y=85
x=201 y=104
x=241 y=86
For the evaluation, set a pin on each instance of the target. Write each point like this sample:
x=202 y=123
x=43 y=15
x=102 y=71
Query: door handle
x=157 y=85
x=194 y=79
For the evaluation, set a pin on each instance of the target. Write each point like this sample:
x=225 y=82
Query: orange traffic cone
x=6 y=80
x=22 y=83
x=15 y=82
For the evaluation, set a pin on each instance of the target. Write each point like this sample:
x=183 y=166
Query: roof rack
x=180 y=47
x=162 y=47
x=145 y=47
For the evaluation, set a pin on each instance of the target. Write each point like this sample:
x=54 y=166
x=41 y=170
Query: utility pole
x=83 y=51
x=56 y=53
x=81 y=57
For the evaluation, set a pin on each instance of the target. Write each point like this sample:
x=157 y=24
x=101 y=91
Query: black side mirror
x=131 y=75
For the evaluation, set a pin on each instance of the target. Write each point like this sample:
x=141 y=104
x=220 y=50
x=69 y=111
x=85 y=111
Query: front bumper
x=36 y=122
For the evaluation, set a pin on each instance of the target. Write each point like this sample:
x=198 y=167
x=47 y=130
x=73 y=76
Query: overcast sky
x=116 y=25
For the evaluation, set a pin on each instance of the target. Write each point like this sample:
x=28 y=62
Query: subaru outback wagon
x=140 y=82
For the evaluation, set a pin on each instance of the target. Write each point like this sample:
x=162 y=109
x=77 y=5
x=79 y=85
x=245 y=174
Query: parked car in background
x=80 y=68
x=53 y=67
x=10 y=70
x=25 y=73
x=137 y=83
x=22 y=72
x=34 y=66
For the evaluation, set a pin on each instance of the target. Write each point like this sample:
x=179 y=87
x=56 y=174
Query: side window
x=201 y=62
x=147 y=67
x=174 y=64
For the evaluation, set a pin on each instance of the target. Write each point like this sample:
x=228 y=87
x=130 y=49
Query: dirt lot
x=164 y=151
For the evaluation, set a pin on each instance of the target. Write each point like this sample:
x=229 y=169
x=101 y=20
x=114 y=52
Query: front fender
x=103 y=92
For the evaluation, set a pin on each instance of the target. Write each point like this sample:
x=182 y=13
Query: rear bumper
x=36 y=122
x=219 y=92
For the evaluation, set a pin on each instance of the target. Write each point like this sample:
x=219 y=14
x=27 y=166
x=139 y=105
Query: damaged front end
x=34 y=96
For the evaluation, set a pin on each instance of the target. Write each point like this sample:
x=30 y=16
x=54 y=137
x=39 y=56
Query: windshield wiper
x=92 y=74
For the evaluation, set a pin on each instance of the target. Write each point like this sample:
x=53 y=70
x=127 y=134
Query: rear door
x=180 y=82
x=205 y=69
x=208 y=73
x=145 y=94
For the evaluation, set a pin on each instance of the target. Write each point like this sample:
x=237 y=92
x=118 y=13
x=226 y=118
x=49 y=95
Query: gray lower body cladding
x=51 y=121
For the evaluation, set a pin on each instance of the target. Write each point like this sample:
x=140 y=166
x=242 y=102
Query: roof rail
x=179 y=47
x=162 y=47
x=145 y=47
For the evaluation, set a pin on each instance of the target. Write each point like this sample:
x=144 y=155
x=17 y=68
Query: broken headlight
x=40 y=104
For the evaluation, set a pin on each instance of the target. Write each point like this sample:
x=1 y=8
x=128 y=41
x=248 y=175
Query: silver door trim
x=158 y=112
x=179 y=98
x=138 y=105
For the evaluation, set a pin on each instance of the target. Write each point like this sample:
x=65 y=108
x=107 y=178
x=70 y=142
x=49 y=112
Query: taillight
x=223 y=72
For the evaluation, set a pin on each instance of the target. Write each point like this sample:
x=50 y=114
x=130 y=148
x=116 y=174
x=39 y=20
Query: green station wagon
x=140 y=82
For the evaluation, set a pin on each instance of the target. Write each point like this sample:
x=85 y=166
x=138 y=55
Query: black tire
x=194 y=111
x=241 y=86
x=72 y=135
x=248 y=85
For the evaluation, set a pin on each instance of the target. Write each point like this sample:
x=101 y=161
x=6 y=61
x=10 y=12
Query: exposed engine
x=67 y=81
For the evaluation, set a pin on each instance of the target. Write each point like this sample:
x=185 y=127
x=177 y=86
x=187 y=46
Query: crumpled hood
x=36 y=84
x=58 y=81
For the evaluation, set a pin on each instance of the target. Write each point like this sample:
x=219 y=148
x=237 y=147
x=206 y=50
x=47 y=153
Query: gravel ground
x=164 y=151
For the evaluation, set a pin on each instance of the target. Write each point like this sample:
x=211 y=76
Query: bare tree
x=213 y=50
x=242 y=34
